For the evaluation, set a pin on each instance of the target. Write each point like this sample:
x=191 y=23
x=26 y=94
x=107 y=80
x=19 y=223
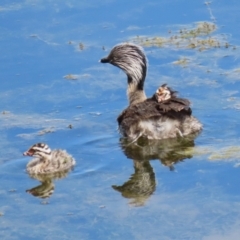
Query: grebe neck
x=135 y=92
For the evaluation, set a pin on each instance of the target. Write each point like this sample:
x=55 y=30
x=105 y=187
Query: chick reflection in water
x=169 y=152
x=47 y=187
x=47 y=166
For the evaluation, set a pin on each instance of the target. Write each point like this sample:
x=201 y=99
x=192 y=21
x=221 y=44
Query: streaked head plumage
x=130 y=58
x=38 y=150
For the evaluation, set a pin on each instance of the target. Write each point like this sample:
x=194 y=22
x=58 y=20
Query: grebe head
x=164 y=93
x=132 y=60
x=39 y=150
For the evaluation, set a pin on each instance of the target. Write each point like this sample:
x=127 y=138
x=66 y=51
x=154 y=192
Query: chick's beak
x=27 y=153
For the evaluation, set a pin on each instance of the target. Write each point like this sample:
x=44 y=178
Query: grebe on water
x=162 y=116
x=48 y=161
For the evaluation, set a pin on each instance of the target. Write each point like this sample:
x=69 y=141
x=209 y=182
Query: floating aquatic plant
x=198 y=38
x=226 y=153
x=71 y=77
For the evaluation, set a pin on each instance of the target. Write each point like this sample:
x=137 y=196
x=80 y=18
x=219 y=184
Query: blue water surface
x=53 y=89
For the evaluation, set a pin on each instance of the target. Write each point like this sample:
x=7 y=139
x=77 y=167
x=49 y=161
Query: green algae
x=226 y=153
x=199 y=38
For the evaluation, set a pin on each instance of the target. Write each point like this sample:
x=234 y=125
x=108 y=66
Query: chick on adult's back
x=162 y=116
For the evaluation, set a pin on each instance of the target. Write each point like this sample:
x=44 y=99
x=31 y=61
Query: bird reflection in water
x=142 y=184
x=47 y=187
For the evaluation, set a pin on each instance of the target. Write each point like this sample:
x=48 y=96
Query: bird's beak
x=28 y=153
x=25 y=154
x=104 y=60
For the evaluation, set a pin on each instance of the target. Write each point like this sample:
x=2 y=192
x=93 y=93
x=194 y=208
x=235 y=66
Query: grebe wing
x=175 y=104
x=151 y=109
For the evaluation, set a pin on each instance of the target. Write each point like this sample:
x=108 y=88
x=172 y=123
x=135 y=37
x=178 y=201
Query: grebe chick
x=164 y=93
x=162 y=116
x=169 y=100
x=48 y=161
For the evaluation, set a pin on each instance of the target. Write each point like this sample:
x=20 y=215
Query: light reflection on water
x=198 y=199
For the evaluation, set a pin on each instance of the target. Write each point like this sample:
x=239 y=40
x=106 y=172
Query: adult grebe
x=162 y=116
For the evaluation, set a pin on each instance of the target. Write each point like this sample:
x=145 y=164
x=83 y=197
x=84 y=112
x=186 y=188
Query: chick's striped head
x=164 y=93
x=38 y=150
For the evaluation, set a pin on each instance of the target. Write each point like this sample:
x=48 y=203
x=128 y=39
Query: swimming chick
x=48 y=161
x=162 y=116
